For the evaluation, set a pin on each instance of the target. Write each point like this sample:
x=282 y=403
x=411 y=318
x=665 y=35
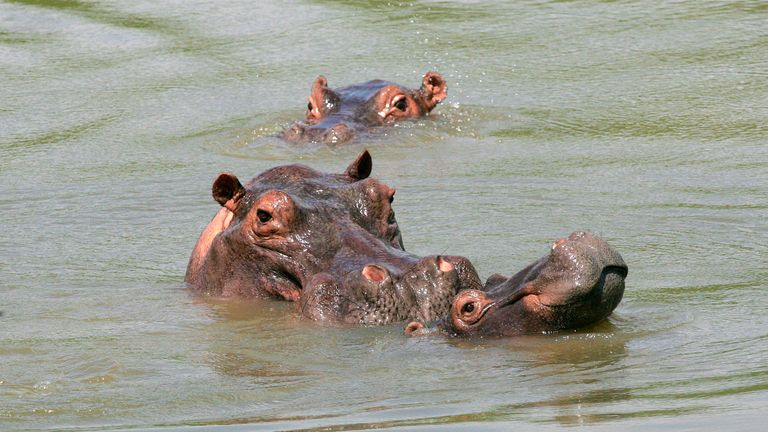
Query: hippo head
x=336 y=116
x=580 y=282
x=393 y=290
x=298 y=234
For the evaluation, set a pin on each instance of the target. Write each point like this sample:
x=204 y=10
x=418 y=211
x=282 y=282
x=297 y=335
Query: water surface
x=644 y=123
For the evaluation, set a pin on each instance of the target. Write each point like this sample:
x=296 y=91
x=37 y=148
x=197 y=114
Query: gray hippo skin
x=336 y=116
x=580 y=282
x=327 y=241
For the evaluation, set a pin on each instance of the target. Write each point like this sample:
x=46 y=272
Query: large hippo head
x=329 y=240
x=580 y=282
x=335 y=116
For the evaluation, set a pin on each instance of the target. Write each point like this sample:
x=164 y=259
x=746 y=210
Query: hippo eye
x=401 y=104
x=468 y=308
x=263 y=216
x=309 y=106
x=391 y=219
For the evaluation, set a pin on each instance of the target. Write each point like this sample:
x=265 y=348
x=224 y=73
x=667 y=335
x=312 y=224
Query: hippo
x=398 y=287
x=336 y=116
x=329 y=242
x=580 y=282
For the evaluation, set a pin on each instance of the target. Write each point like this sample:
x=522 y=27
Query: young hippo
x=580 y=282
x=336 y=116
x=330 y=241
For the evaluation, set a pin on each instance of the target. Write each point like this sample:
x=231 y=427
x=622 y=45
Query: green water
x=645 y=122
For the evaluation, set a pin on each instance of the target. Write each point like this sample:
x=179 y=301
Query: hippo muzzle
x=332 y=132
x=384 y=293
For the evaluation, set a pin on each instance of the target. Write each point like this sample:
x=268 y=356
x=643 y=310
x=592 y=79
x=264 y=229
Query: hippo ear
x=321 y=100
x=320 y=84
x=495 y=279
x=225 y=188
x=433 y=90
x=361 y=168
x=316 y=98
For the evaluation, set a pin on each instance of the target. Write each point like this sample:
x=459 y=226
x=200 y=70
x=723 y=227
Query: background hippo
x=331 y=240
x=580 y=282
x=335 y=116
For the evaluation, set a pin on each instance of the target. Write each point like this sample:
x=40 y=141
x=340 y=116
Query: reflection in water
x=576 y=367
x=598 y=346
x=240 y=327
x=267 y=374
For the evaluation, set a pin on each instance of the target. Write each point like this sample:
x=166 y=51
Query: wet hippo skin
x=336 y=116
x=329 y=241
x=580 y=282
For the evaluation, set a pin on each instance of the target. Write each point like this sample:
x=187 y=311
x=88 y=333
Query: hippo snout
x=576 y=265
x=332 y=134
x=338 y=134
x=388 y=291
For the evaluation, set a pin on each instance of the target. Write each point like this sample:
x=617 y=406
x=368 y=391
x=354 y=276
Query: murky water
x=645 y=123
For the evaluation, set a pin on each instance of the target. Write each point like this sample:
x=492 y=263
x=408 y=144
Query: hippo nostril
x=294 y=133
x=338 y=134
x=622 y=271
x=558 y=243
x=374 y=273
x=444 y=265
x=414 y=328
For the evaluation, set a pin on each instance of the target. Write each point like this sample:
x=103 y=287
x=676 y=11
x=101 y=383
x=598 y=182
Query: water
x=644 y=123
